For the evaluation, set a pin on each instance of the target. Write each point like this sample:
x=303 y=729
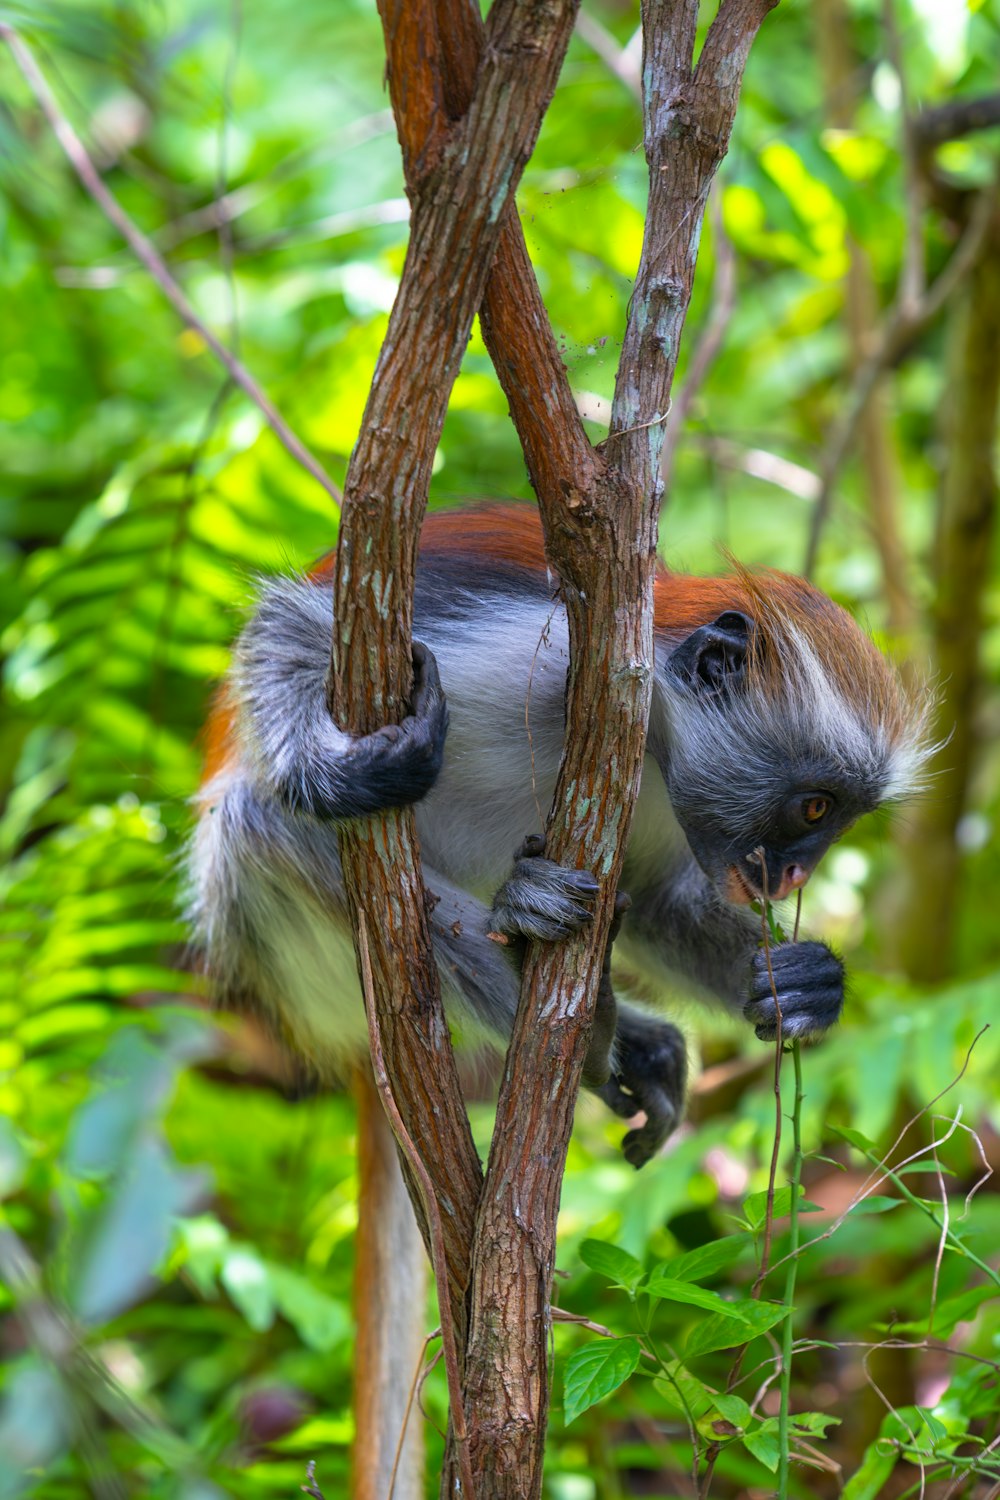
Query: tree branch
x=902 y=326
x=146 y=252
x=463 y=176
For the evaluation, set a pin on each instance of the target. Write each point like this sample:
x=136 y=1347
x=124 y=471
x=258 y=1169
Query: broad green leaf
x=726 y=1333
x=319 y=1319
x=616 y=1264
x=948 y=1312
x=596 y=1370
x=876 y=1203
x=755 y=1206
x=853 y=1137
x=708 y=1259
x=868 y=1481
x=735 y=1410
x=247 y=1279
x=669 y=1289
x=763 y=1444
x=813 y=1423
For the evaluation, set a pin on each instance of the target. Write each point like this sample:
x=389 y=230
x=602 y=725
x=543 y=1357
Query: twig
x=560 y=1315
x=623 y=62
x=913 y=277
x=311 y=1487
x=431 y=1209
x=883 y=1172
x=147 y=253
x=709 y=343
x=765 y=1255
x=785 y=1384
x=714 y=1449
x=418 y=1376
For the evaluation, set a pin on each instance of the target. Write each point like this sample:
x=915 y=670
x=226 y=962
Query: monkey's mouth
x=737 y=889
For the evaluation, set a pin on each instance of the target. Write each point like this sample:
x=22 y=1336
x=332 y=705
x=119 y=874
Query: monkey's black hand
x=809 y=980
x=402 y=761
x=541 y=899
x=650 y=1071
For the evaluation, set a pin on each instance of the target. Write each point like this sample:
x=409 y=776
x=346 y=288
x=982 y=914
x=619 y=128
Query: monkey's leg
x=650 y=1073
x=597 y=1064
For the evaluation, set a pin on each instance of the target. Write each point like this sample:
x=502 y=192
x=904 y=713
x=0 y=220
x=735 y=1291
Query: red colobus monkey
x=775 y=723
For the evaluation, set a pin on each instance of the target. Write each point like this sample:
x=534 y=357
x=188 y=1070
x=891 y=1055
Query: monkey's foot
x=809 y=981
x=542 y=899
x=649 y=1075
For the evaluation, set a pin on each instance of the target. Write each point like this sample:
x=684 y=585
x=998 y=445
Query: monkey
x=775 y=723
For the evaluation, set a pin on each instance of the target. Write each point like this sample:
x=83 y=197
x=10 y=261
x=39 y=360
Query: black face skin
x=774 y=859
x=757 y=824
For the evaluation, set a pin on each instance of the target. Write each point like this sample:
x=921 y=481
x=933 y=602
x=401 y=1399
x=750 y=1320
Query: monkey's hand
x=392 y=767
x=406 y=757
x=542 y=899
x=809 y=981
x=650 y=1071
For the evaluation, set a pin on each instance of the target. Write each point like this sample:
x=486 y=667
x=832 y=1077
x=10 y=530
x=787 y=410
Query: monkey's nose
x=793 y=879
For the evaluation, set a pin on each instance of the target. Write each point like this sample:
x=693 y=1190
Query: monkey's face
x=761 y=786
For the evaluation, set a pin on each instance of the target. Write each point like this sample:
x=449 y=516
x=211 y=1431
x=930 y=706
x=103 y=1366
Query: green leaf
x=763 y=1444
x=596 y=1370
x=948 y=1312
x=755 y=1207
x=735 y=1410
x=813 y=1423
x=876 y=1203
x=684 y=1392
x=669 y=1289
x=725 y=1333
x=707 y=1260
x=247 y=1279
x=868 y=1481
x=611 y=1261
x=853 y=1137
x=320 y=1320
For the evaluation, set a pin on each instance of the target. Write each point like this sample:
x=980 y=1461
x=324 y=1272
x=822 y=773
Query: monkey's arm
x=636 y=1063
x=696 y=934
x=297 y=752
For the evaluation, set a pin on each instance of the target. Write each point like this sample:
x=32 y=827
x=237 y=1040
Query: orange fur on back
x=781 y=605
x=217 y=736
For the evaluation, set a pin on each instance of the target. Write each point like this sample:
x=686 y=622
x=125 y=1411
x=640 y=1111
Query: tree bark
x=390 y=1298
x=600 y=511
x=840 y=67
x=466 y=173
x=925 y=928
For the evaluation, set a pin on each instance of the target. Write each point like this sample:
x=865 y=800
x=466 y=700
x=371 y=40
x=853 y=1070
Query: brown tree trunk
x=390 y=1300
x=840 y=68
x=925 y=928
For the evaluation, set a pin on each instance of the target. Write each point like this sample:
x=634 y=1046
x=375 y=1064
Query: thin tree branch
x=913 y=277
x=706 y=350
x=430 y=1207
x=902 y=326
x=463 y=174
x=956 y=119
x=145 y=251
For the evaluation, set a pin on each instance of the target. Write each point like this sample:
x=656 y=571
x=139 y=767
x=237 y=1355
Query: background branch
x=145 y=251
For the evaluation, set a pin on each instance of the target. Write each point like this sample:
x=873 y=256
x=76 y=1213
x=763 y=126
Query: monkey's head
x=783 y=724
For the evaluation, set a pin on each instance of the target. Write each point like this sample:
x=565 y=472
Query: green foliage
x=176 y=1215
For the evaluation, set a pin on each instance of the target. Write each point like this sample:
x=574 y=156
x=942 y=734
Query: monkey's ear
x=713 y=659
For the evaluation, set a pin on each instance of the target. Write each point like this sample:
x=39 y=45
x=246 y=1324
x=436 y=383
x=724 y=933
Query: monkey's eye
x=815 y=808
